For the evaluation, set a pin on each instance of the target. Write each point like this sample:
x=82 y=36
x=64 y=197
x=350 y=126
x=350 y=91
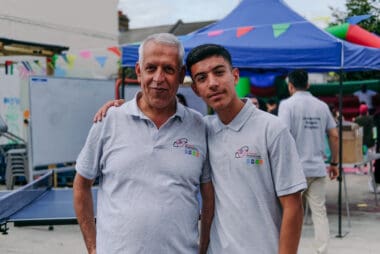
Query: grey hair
x=163 y=38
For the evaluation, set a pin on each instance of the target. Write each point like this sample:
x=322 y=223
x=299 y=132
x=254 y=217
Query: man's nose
x=159 y=75
x=213 y=81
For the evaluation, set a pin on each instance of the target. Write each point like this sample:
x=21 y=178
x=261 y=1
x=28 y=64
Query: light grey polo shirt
x=149 y=177
x=308 y=120
x=254 y=161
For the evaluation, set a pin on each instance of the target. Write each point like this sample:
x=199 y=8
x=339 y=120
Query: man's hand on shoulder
x=103 y=109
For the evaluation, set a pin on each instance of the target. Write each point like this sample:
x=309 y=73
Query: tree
x=356 y=8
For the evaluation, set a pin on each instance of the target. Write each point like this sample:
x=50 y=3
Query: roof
x=179 y=28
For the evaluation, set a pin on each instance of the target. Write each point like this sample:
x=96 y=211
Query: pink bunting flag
x=243 y=30
x=115 y=50
x=215 y=33
x=86 y=54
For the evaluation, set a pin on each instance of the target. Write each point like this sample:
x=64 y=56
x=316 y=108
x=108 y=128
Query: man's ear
x=290 y=88
x=195 y=89
x=236 y=74
x=138 y=71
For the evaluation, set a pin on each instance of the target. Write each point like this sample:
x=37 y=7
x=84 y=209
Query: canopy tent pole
x=122 y=95
x=341 y=176
x=340 y=154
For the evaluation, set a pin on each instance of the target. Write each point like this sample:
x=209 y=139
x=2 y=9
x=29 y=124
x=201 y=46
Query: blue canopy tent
x=268 y=34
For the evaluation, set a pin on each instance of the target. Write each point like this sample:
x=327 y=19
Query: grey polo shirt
x=149 y=177
x=308 y=120
x=254 y=161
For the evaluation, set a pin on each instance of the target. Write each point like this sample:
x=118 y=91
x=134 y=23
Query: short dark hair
x=182 y=99
x=299 y=78
x=204 y=51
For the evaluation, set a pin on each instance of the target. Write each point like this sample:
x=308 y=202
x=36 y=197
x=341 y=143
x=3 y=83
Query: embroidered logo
x=188 y=148
x=250 y=157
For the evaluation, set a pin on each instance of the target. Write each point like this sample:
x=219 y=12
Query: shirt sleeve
x=88 y=162
x=287 y=172
x=284 y=114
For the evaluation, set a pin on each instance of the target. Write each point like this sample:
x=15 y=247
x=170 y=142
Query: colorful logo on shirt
x=250 y=157
x=188 y=148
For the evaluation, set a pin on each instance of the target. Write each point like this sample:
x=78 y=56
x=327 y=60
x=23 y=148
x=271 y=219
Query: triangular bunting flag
x=115 y=50
x=243 y=30
x=215 y=33
x=101 y=60
x=356 y=19
x=70 y=60
x=59 y=72
x=86 y=54
x=279 y=29
x=26 y=66
x=64 y=56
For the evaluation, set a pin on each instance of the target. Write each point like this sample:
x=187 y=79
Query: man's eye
x=169 y=70
x=150 y=68
x=219 y=72
x=200 y=79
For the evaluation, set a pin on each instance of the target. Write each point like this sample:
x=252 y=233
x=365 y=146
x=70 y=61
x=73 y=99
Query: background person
x=365 y=96
x=366 y=121
x=308 y=120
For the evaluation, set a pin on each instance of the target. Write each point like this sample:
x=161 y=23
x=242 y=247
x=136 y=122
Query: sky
x=146 y=13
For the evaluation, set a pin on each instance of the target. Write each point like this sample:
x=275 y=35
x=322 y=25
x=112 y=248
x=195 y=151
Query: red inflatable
x=358 y=35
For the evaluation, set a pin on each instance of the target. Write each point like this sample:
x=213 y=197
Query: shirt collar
x=133 y=109
x=302 y=93
x=237 y=123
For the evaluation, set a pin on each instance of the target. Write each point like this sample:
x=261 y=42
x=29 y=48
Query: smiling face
x=159 y=74
x=214 y=81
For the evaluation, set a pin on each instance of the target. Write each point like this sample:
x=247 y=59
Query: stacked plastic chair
x=17 y=164
x=15 y=159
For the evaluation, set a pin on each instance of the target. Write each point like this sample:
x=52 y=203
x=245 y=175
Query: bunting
x=243 y=31
x=8 y=67
x=279 y=29
x=115 y=50
x=70 y=60
x=101 y=60
x=215 y=33
x=86 y=54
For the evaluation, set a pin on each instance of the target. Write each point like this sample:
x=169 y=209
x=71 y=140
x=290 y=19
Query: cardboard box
x=352 y=144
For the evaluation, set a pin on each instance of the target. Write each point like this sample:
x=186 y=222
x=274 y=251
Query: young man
x=151 y=157
x=255 y=168
x=256 y=172
x=309 y=120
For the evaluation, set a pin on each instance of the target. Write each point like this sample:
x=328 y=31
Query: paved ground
x=362 y=237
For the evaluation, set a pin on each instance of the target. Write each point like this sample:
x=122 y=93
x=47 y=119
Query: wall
x=81 y=25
